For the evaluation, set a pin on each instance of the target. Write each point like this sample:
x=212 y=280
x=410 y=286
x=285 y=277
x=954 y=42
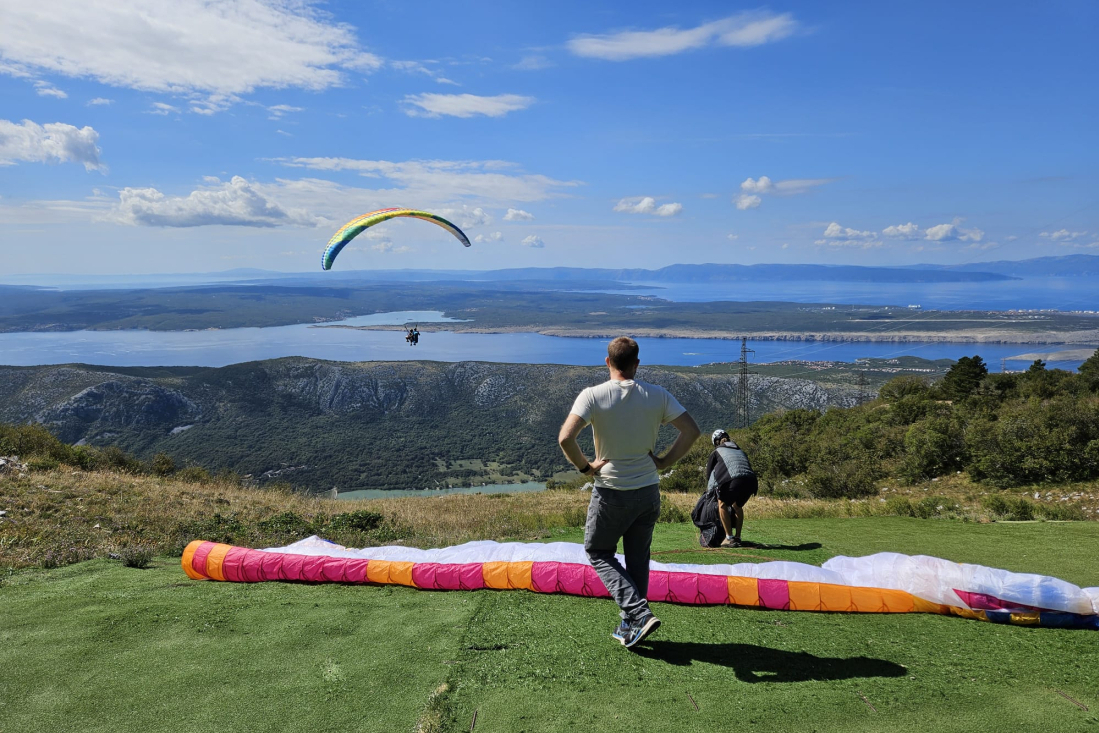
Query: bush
x=900 y=506
x=932 y=448
x=900 y=388
x=1013 y=508
x=672 y=514
x=194 y=475
x=290 y=523
x=842 y=480
x=162 y=464
x=136 y=556
x=357 y=521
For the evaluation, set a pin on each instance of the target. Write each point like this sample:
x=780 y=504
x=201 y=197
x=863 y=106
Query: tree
x=963 y=378
x=1090 y=368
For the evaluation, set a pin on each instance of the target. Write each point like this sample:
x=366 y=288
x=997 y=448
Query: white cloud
x=518 y=215
x=533 y=241
x=388 y=247
x=466 y=216
x=636 y=205
x=437 y=181
x=647 y=205
x=494 y=237
x=732 y=237
x=54 y=142
x=753 y=187
x=464 y=105
x=1063 y=235
x=45 y=89
x=189 y=47
x=533 y=63
x=235 y=203
x=752 y=28
x=279 y=110
x=162 y=108
x=763 y=185
x=952 y=232
x=835 y=231
x=745 y=202
x=415 y=67
x=839 y=236
x=99 y=101
x=901 y=231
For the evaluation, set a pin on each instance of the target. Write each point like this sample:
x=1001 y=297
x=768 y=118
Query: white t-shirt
x=626 y=416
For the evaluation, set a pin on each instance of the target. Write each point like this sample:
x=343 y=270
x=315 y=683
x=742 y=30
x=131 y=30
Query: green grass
x=101 y=647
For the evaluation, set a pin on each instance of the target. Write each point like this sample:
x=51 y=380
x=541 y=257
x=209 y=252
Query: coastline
x=969 y=336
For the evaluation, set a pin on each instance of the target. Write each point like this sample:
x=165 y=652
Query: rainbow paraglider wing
x=356 y=226
x=882 y=583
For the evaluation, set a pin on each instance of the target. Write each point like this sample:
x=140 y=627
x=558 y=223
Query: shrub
x=162 y=464
x=1013 y=508
x=900 y=506
x=672 y=514
x=899 y=388
x=136 y=556
x=842 y=480
x=932 y=448
x=290 y=523
x=195 y=475
x=357 y=521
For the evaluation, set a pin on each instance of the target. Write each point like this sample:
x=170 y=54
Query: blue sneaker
x=621 y=632
x=640 y=630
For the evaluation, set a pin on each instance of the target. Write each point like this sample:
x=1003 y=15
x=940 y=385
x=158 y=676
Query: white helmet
x=718 y=436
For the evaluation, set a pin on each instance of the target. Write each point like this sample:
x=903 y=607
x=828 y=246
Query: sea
x=221 y=347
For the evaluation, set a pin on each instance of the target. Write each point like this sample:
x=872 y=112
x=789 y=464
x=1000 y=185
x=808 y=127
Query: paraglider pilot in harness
x=730 y=483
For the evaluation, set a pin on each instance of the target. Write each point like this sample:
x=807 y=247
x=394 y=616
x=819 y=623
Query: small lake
x=222 y=347
x=526 y=487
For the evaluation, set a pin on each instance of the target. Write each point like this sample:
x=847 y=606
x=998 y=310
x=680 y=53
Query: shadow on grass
x=752 y=663
x=793 y=548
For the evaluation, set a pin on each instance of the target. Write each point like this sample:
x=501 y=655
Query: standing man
x=625 y=415
x=730 y=475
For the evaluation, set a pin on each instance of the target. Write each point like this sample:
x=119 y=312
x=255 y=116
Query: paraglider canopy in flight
x=356 y=226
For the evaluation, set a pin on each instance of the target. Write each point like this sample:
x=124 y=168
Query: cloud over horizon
x=647 y=205
x=233 y=203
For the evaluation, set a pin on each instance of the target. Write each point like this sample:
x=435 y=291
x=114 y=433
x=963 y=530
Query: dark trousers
x=629 y=516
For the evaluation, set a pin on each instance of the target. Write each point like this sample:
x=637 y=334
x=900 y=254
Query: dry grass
x=62 y=516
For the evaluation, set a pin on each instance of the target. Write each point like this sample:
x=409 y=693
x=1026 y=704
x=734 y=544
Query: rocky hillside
x=319 y=424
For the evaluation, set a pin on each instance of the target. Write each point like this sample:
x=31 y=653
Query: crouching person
x=732 y=482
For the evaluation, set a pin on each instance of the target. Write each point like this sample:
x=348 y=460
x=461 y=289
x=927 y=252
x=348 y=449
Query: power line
x=743 y=405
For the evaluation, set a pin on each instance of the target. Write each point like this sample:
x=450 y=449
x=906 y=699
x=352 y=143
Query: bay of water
x=234 y=345
x=1058 y=293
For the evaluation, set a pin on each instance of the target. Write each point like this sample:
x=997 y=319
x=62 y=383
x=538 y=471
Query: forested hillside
x=318 y=424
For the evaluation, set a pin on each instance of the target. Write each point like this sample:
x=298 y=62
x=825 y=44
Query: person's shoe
x=640 y=630
x=621 y=632
x=730 y=542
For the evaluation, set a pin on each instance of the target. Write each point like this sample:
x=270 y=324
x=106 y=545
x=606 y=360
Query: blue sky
x=147 y=137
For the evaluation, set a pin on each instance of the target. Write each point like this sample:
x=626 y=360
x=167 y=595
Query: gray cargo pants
x=629 y=516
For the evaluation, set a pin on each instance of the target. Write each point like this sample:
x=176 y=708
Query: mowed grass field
x=100 y=647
